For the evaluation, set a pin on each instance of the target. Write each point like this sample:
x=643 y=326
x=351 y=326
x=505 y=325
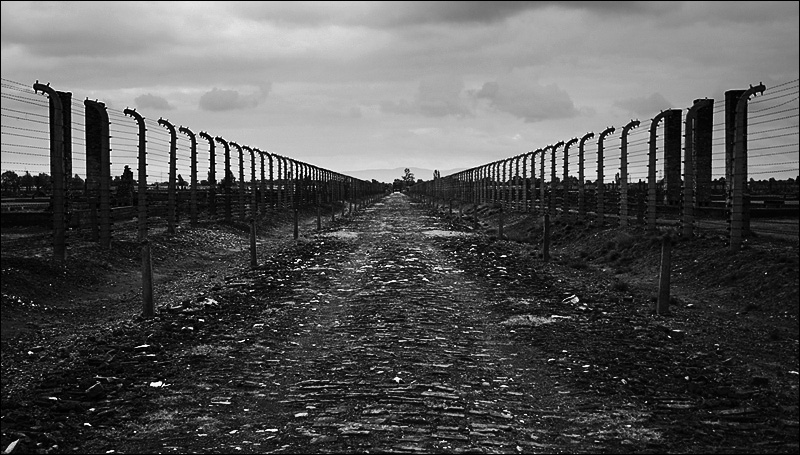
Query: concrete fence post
x=142 y=191
x=253 y=185
x=739 y=208
x=242 y=189
x=565 y=181
x=173 y=166
x=193 y=178
x=651 y=173
x=226 y=181
x=212 y=175
x=689 y=168
x=581 y=176
x=553 y=178
x=542 y=193
x=98 y=166
x=56 y=169
x=623 y=173
x=599 y=184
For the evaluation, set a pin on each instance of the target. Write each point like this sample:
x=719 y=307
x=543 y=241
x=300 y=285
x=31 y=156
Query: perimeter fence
x=734 y=169
x=84 y=165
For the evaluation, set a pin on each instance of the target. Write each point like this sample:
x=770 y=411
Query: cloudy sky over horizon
x=362 y=85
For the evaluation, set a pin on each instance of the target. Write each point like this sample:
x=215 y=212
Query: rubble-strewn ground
x=402 y=329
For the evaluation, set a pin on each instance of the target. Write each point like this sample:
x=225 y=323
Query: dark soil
x=399 y=329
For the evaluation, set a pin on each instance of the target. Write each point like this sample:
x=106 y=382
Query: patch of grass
x=620 y=286
x=157 y=423
x=577 y=264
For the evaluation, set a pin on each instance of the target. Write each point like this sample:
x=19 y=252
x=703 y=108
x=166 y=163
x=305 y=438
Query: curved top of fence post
x=222 y=141
x=606 y=132
x=569 y=143
x=134 y=114
x=585 y=137
x=168 y=125
x=633 y=124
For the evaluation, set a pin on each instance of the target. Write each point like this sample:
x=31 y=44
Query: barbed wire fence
x=28 y=180
x=637 y=173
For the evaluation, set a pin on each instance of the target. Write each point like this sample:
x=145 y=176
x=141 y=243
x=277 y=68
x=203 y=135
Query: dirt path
x=372 y=340
x=394 y=333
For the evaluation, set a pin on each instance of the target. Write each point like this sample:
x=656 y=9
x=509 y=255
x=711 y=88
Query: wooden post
x=662 y=304
x=500 y=221
x=546 y=238
x=147 y=281
x=253 y=260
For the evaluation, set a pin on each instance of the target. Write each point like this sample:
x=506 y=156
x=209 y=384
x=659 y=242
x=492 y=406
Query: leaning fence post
x=147 y=281
x=662 y=303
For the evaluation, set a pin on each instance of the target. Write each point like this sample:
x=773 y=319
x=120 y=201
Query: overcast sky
x=439 y=85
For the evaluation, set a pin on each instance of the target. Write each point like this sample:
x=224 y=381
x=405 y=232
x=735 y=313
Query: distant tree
x=26 y=181
x=42 y=182
x=76 y=183
x=10 y=182
x=398 y=185
x=408 y=177
x=124 y=194
x=181 y=182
